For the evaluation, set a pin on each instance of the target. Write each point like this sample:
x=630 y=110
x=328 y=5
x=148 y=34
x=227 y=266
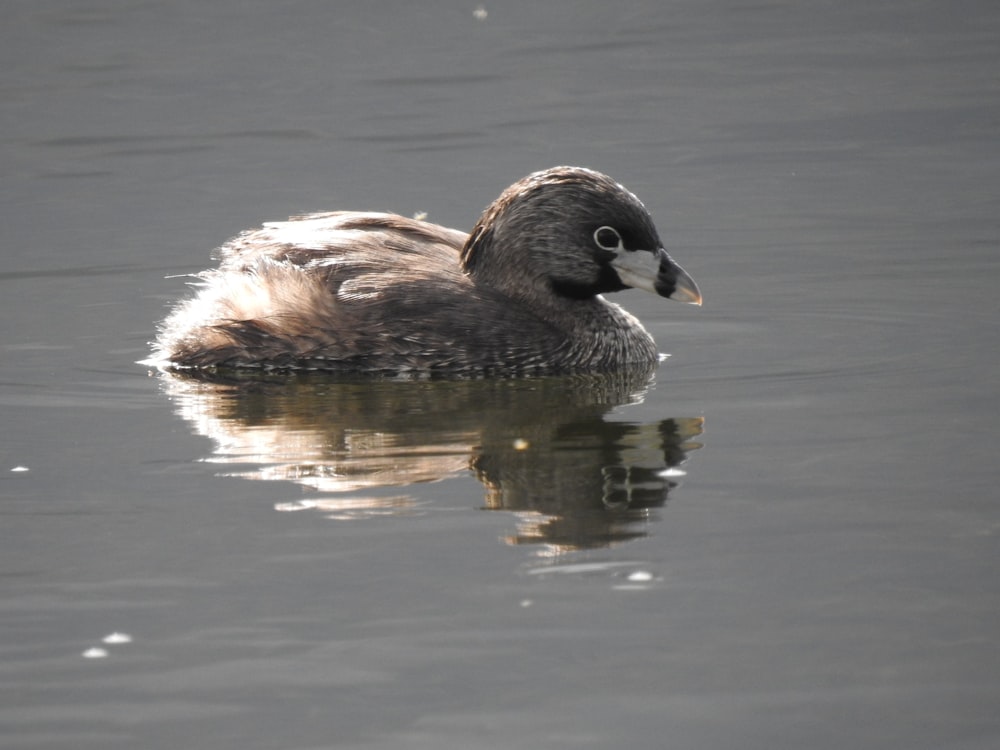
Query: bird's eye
x=607 y=238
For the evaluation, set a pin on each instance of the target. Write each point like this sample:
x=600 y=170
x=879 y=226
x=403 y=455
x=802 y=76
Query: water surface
x=788 y=537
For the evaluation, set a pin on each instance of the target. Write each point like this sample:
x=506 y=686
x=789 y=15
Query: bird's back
x=349 y=291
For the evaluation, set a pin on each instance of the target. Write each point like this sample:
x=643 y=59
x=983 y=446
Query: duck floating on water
x=377 y=293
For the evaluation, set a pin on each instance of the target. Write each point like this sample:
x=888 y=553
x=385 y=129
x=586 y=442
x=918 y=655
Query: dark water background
x=788 y=539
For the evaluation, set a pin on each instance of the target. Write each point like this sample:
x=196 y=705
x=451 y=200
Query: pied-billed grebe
x=379 y=293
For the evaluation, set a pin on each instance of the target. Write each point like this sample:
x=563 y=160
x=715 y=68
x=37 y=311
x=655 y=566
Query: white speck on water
x=637 y=580
x=292 y=507
x=480 y=13
x=115 y=638
x=20 y=468
x=526 y=603
x=520 y=444
x=95 y=653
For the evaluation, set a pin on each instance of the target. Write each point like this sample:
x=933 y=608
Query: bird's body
x=379 y=293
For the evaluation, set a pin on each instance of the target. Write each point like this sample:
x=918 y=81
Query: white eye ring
x=605 y=245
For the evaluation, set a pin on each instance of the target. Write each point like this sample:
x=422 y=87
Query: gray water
x=788 y=538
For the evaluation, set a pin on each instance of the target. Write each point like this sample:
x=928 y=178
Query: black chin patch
x=607 y=281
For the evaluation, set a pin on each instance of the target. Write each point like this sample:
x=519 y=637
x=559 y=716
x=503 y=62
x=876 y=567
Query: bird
x=371 y=293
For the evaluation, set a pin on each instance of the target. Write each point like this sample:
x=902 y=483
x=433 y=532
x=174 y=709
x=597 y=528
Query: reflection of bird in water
x=586 y=483
x=540 y=446
x=368 y=292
